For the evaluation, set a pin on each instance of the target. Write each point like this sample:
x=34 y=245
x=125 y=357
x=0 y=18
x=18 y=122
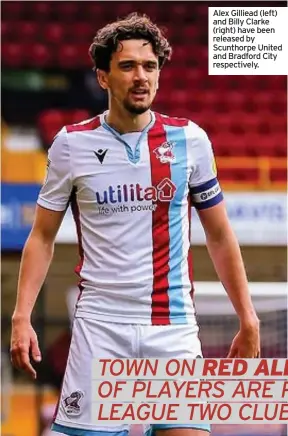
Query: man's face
x=133 y=77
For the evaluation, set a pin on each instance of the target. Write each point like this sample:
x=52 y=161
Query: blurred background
x=48 y=82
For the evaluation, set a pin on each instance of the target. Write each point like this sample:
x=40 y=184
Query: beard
x=136 y=109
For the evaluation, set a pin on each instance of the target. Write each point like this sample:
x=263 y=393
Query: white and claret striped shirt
x=131 y=197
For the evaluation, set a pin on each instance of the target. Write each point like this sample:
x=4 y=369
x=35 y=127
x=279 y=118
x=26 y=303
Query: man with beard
x=131 y=177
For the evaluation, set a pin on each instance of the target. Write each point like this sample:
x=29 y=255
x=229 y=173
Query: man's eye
x=126 y=67
x=150 y=67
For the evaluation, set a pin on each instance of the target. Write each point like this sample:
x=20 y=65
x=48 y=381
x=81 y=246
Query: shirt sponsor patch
x=206 y=195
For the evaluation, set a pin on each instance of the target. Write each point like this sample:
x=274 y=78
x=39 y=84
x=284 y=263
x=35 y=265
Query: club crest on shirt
x=164 y=152
x=71 y=403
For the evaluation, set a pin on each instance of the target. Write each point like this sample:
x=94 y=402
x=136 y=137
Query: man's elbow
x=40 y=238
x=221 y=236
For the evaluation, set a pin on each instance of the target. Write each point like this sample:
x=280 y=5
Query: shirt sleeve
x=204 y=187
x=56 y=190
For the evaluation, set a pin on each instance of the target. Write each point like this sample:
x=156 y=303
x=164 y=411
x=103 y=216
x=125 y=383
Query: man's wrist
x=249 y=322
x=21 y=317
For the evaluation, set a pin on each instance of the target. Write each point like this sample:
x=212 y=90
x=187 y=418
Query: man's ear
x=157 y=83
x=102 y=77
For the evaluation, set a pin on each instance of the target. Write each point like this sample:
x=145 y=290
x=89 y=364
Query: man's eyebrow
x=126 y=61
x=151 y=61
x=131 y=61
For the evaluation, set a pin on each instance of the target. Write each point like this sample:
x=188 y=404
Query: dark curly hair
x=134 y=26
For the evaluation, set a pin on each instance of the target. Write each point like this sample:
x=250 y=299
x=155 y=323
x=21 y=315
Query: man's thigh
x=178 y=342
x=90 y=339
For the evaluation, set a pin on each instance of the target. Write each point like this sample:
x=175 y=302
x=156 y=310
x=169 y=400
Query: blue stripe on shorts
x=151 y=431
x=72 y=431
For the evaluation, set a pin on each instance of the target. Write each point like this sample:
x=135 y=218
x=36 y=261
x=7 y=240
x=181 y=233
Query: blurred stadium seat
x=12 y=54
x=12 y=10
x=40 y=11
x=51 y=121
x=67 y=56
x=38 y=55
x=67 y=10
x=54 y=32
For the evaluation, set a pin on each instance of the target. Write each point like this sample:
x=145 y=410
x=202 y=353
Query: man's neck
x=124 y=122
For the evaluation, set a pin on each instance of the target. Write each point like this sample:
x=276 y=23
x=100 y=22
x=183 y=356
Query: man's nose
x=140 y=74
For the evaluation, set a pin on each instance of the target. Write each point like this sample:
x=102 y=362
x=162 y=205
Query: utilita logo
x=164 y=191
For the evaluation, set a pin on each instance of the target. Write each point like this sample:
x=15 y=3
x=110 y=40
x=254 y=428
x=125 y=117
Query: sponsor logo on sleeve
x=208 y=194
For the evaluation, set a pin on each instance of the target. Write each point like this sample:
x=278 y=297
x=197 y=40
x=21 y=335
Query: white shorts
x=97 y=339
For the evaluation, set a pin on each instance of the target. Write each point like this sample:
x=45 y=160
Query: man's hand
x=23 y=341
x=246 y=343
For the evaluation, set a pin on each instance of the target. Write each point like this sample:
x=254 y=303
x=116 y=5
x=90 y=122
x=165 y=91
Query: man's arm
x=52 y=203
x=207 y=198
x=226 y=256
x=35 y=262
x=36 y=259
